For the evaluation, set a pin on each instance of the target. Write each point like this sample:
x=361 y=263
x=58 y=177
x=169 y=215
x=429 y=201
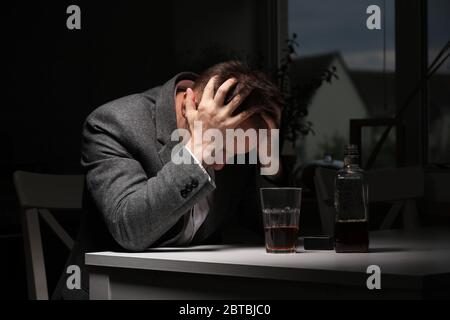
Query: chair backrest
x=37 y=194
x=401 y=186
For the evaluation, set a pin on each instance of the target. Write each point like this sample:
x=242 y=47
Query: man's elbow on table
x=135 y=235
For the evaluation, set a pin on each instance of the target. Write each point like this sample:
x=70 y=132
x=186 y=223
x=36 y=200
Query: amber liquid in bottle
x=351 y=236
x=351 y=201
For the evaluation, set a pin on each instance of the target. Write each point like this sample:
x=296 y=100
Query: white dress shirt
x=198 y=214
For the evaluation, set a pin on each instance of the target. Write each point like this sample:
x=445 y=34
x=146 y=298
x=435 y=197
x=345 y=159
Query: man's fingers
x=222 y=92
x=241 y=117
x=208 y=92
x=236 y=102
x=190 y=101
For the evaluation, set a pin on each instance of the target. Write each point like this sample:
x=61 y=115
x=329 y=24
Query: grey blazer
x=136 y=197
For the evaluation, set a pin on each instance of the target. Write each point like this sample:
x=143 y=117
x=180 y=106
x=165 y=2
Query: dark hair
x=264 y=93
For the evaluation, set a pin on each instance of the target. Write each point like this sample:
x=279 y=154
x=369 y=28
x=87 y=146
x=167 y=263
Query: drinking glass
x=281 y=210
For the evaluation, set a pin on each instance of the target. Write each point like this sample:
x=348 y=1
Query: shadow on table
x=372 y=250
x=193 y=249
x=388 y=250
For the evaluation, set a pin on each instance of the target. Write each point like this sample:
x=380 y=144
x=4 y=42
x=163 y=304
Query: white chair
x=39 y=193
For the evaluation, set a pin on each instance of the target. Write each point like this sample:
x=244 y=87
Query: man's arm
x=137 y=209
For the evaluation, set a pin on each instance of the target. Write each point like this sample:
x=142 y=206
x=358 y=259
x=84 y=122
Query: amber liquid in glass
x=282 y=239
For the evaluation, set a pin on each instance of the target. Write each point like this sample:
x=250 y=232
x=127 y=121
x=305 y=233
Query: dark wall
x=208 y=32
x=56 y=77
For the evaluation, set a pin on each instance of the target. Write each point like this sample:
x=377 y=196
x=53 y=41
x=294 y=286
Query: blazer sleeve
x=138 y=210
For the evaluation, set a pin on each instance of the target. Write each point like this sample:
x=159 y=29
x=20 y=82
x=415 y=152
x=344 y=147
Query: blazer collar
x=166 y=119
x=165 y=115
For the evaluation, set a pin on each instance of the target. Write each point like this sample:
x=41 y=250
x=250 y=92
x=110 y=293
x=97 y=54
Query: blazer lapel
x=166 y=120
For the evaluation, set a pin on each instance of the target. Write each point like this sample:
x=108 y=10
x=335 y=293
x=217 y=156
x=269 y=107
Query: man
x=137 y=197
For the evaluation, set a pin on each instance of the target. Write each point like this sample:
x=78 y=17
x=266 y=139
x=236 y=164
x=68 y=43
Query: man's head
x=229 y=98
x=261 y=93
x=264 y=94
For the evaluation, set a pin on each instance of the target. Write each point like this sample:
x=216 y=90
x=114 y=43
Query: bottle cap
x=351 y=150
x=351 y=155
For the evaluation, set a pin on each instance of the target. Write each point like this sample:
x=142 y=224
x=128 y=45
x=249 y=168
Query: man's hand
x=212 y=113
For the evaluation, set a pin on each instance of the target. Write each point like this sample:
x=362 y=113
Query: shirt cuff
x=198 y=163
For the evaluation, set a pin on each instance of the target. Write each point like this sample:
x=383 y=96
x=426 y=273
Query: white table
x=413 y=265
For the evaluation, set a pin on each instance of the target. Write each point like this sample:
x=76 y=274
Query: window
x=334 y=33
x=439 y=84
